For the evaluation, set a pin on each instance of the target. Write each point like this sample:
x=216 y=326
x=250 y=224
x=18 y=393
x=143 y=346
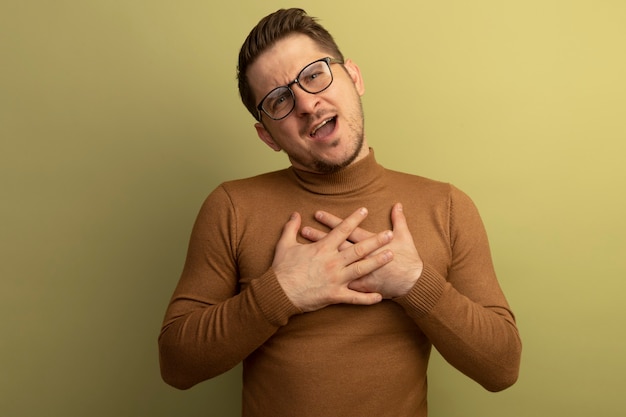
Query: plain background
x=117 y=118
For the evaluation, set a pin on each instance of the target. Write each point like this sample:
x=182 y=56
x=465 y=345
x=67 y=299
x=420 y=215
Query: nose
x=306 y=103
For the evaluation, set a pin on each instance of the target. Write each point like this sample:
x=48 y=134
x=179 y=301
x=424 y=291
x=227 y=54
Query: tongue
x=325 y=130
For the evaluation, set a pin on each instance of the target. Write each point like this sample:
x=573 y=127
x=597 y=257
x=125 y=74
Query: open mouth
x=324 y=129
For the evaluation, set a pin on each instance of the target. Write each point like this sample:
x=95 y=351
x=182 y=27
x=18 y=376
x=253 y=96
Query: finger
x=332 y=221
x=366 y=266
x=312 y=234
x=345 y=245
x=359 y=298
x=362 y=284
x=345 y=228
x=290 y=231
x=367 y=247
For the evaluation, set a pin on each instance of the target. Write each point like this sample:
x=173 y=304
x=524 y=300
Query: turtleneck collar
x=351 y=179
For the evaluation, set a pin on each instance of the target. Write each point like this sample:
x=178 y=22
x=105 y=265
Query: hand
x=396 y=278
x=318 y=274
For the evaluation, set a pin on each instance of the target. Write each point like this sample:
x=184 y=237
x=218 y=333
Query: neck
x=350 y=179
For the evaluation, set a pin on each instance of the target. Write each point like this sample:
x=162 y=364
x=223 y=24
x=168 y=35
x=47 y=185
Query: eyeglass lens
x=313 y=79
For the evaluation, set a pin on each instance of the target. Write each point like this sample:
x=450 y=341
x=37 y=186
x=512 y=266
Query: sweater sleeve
x=211 y=324
x=465 y=314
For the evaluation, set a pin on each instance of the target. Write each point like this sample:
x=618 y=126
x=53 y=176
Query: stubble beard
x=356 y=126
x=328 y=167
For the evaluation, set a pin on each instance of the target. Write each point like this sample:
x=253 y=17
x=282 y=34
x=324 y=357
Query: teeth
x=320 y=125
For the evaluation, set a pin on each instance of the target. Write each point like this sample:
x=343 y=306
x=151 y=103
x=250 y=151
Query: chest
x=261 y=226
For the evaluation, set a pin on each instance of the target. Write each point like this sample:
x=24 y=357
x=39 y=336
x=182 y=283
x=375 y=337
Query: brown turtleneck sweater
x=343 y=360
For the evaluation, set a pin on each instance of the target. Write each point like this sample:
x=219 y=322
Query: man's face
x=324 y=132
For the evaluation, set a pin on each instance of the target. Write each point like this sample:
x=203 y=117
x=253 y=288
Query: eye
x=311 y=76
x=277 y=99
x=314 y=75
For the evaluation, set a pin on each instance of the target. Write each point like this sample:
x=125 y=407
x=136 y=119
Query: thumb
x=290 y=231
x=398 y=219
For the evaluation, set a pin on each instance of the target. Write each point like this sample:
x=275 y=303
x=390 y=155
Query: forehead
x=281 y=63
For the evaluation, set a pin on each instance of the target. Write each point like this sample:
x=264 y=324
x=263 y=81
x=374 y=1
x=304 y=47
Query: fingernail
x=363 y=211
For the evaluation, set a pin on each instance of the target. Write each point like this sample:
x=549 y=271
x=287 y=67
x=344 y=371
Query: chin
x=328 y=166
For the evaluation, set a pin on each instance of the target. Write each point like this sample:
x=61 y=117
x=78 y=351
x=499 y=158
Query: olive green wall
x=118 y=117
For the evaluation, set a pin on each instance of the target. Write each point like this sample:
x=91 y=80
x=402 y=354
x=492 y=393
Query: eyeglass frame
x=328 y=60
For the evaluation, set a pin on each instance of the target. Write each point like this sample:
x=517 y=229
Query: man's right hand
x=317 y=274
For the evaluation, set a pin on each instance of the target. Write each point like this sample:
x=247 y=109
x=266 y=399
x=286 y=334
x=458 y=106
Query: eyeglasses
x=314 y=78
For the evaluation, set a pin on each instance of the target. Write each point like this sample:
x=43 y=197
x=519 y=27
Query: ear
x=355 y=74
x=266 y=137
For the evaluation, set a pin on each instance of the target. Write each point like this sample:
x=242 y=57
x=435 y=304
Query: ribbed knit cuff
x=424 y=295
x=272 y=300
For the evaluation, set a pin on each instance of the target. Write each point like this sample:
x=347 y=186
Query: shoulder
x=431 y=192
x=258 y=184
x=244 y=191
x=420 y=184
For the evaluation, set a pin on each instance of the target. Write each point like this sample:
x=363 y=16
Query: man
x=331 y=279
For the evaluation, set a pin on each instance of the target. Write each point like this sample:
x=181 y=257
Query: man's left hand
x=397 y=277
